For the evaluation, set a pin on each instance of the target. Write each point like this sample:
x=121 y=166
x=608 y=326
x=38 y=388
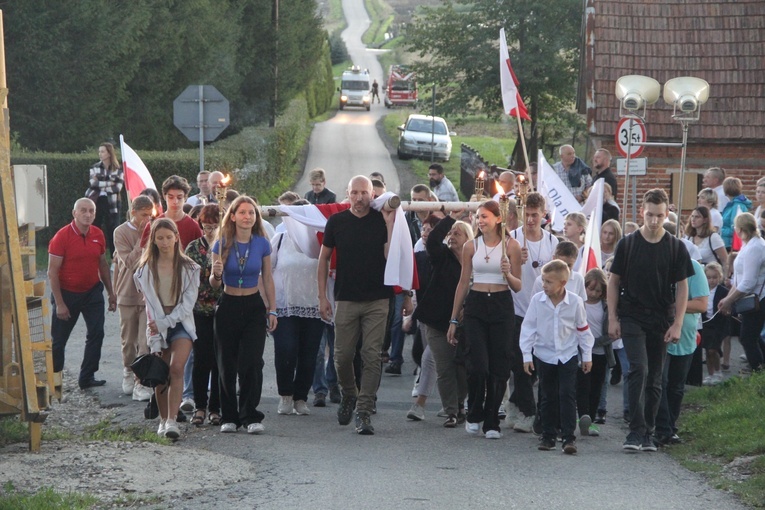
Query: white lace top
x=295 y=282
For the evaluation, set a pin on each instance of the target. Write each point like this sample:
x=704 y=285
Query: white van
x=354 y=88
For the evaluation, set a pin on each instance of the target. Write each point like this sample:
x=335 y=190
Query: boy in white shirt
x=555 y=328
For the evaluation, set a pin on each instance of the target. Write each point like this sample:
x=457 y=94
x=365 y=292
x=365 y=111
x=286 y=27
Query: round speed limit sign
x=624 y=133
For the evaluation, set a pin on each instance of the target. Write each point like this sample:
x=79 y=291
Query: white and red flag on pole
x=137 y=176
x=511 y=99
x=591 y=256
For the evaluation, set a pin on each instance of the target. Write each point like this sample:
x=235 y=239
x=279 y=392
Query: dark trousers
x=696 y=370
x=646 y=352
x=558 y=395
x=296 y=341
x=673 y=389
x=91 y=305
x=489 y=324
x=106 y=221
x=751 y=341
x=523 y=384
x=589 y=386
x=240 y=337
x=205 y=368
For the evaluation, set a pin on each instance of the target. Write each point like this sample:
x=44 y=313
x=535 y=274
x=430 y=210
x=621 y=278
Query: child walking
x=554 y=328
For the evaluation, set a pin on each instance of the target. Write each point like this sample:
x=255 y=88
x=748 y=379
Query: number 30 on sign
x=624 y=133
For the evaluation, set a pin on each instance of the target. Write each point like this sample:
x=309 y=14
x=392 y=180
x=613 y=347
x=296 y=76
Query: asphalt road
x=311 y=461
x=348 y=144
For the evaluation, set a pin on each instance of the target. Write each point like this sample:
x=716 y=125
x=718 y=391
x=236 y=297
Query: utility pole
x=275 y=62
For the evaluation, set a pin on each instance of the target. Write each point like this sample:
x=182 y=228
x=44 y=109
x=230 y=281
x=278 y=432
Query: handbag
x=151 y=370
x=749 y=303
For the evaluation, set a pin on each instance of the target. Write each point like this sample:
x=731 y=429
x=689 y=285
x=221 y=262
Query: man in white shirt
x=441 y=185
x=713 y=178
x=506 y=181
x=205 y=195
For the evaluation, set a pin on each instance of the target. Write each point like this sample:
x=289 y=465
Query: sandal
x=199 y=417
x=214 y=419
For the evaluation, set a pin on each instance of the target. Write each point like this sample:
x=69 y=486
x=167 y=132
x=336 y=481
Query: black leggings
x=205 y=365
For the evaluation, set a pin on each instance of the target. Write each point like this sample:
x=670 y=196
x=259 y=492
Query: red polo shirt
x=188 y=230
x=82 y=256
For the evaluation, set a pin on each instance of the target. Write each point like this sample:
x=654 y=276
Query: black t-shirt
x=648 y=274
x=608 y=176
x=359 y=245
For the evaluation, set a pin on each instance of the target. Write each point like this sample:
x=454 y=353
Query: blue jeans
x=91 y=305
x=296 y=340
x=673 y=389
x=188 y=370
x=397 y=335
x=325 y=375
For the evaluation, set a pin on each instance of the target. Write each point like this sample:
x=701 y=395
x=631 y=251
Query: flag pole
x=525 y=153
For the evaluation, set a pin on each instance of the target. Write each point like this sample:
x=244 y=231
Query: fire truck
x=401 y=89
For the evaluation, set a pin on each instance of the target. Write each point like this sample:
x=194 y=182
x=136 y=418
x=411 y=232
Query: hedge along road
x=312 y=461
x=349 y=144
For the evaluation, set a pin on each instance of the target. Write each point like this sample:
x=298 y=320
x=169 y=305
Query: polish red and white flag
x=137 y=176
x=511 y=98
x=591 y=255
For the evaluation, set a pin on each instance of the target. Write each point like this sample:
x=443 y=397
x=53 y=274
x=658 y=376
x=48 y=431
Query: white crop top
x=486 y=263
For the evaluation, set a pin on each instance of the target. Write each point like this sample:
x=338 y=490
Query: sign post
x=201 y=113
x=630 y=133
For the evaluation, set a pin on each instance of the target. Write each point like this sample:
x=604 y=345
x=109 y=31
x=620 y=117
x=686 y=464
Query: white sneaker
x=161 y=429
x=128 y=381
x=524 y=424
x=301 y=408
x=188 y=405
x=141 y=393
x=286 y=405
x=511 y=416
x=256 y=428
x=472 y=428
x=718 y=378
x=442 y=413
x=416 y=413
x=171 y=429
x=708 y=380
x=227 y=428
x=493 y=434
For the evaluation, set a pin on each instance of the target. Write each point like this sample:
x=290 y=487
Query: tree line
x=83 y=72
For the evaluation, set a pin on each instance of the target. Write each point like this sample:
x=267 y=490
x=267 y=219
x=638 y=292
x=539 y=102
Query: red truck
x=401 y=89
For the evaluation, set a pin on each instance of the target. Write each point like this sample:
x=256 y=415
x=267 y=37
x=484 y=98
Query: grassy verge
x=381 y=16
x=105 y=431
x=44 y=499
x=484 y=136
x=723 y=428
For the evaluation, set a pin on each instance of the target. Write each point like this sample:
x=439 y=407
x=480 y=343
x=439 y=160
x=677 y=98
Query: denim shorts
x=177 y=331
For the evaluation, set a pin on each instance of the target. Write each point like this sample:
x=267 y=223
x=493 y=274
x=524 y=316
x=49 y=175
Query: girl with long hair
x=488 y=316
x=241 y=254
x=700 y=232
x=169 y=281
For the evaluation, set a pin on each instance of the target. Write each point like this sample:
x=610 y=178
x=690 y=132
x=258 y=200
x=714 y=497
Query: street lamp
x=685 y=94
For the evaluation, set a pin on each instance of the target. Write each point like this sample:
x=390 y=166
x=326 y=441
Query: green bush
x=338 y=50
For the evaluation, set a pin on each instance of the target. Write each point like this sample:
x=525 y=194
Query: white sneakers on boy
x=286 y=405
x=128 y=381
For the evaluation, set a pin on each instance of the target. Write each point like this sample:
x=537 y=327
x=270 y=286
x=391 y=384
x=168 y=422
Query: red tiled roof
x=722 y=42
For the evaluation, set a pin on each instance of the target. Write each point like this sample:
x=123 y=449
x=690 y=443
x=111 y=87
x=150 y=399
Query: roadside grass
x=723 y=428
x=106 y=431
x=44 y=499
x=336 y=18
x=481 y=134
x=13 y=430
x=381 y=16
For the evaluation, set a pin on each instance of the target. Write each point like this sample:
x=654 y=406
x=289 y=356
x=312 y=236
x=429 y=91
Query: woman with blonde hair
x=610 y=235
x=749 y=278
x=169 y=281
x=573 y=230
x=241 y=263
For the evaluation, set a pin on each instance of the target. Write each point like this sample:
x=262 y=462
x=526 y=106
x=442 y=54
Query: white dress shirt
x=553 y=333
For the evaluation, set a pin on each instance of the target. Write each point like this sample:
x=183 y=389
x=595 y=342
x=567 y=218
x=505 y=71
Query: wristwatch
x=408 y=293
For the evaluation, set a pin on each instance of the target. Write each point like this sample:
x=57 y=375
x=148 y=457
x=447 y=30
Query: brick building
x=722 y=42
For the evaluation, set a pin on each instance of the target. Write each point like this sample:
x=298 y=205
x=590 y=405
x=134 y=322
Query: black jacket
x=435 y=306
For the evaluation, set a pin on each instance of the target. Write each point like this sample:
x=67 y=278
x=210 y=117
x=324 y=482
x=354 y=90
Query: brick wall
x=745 y=161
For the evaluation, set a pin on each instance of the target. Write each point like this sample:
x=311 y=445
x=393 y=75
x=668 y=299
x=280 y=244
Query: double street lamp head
x=685 y=94
x=635 y=92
